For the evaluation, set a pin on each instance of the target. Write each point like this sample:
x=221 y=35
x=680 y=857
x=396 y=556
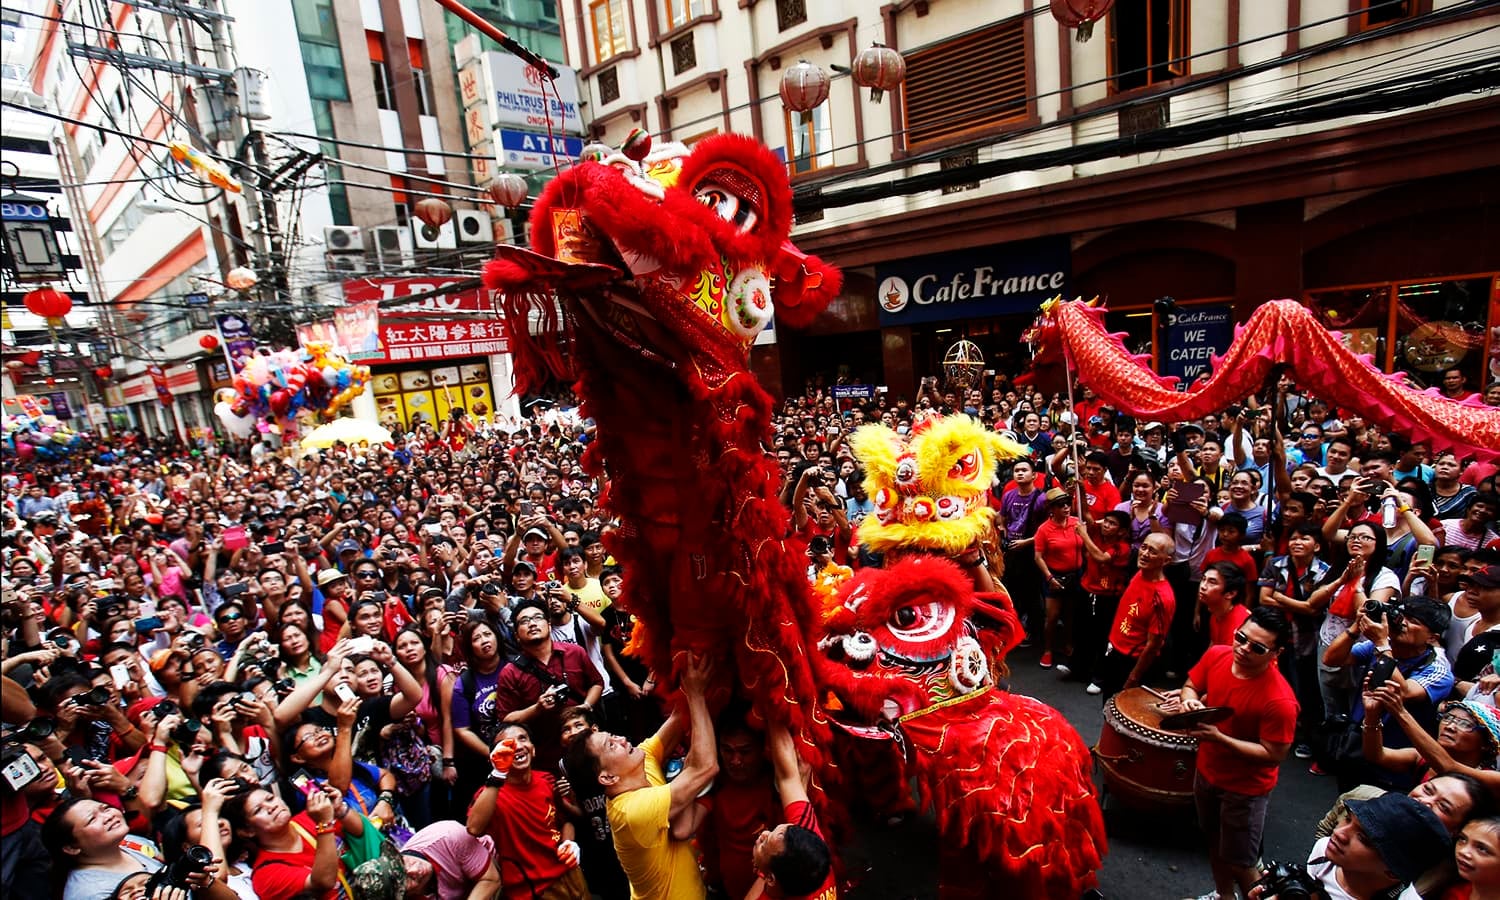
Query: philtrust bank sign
x=966 y=284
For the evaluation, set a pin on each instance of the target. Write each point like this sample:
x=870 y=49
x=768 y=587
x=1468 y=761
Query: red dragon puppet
x=1283 y=332
x=658 y=274
x=910 y=655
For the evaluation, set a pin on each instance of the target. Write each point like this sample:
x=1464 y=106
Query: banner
x=408 y=340
x=530 y=150
x=358 y=329
x=159 y=381
x=234 y=332
x=1195 y=335
x=435 y=300
x=1014 y=278
x=522 y=96
x=60 y=407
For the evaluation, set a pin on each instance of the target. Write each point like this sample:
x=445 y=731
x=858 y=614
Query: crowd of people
x=406 y=668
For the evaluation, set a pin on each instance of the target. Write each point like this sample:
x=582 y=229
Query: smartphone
x=434 y=527
x=361 y=645
x=344 y=693
x=526 y=507
x=1380 y=671
x=148 y=625
x=120 y=673
x=233 y=590
x=273 y=548
x=105 y=585
x=1424 y=553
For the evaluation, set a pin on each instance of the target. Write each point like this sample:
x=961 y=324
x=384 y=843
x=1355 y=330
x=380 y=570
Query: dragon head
x=901 y=639
x=677 y=255
x=929 y=487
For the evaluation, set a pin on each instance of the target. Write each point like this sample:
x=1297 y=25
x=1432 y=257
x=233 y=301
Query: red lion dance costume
x=662 y=272
x=909 y=652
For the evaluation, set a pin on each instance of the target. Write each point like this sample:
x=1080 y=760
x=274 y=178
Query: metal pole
x=500 y=37
x=1073 y=442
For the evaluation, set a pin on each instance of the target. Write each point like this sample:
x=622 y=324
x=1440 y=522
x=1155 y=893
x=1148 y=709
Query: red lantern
x=434 y=212
x=31 y=357
x=104 y=373
x=803 y=86
x=51 y=382
x=508 y=189
x=209 y=342
x=880 y=69
x=1080 y=14
x=49 y=303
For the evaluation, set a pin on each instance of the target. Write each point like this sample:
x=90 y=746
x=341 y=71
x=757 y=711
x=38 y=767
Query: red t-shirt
x=1240 y=557
x=1265 y=709
x=738 y=816
x=527 y=830
x=1060 y=546
x=801 y=814
x=1145 y=609
x=1221 y=629
x=282 y=876
x=1100 y=498
x=1111 y=576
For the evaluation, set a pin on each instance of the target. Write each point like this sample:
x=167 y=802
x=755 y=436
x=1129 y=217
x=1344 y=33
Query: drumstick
x=1155 y=693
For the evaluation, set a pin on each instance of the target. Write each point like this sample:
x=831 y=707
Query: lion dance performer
x=662 y=268
x=910 y=654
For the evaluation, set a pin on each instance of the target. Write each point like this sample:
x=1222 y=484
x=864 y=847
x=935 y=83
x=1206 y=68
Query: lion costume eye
x=727 y=206
x=965 y=467
x=918 y=622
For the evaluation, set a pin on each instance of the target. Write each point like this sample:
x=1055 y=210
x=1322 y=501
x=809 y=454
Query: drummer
x=1238 y=758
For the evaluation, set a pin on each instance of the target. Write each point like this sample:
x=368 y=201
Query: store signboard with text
x=434 y=295
x=1008 y=279
x=1195 y=335
x=522 y=96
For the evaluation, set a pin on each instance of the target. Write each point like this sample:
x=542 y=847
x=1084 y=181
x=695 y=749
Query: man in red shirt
x=1221 y=593
x=792 y=859
x=533 y=843
x=1141 y=621
x=1238 y=759
x=741 y=807
x=1099 y=496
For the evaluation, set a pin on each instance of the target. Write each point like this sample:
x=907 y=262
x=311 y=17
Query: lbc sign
x=1013 y=278
x=1196 y=335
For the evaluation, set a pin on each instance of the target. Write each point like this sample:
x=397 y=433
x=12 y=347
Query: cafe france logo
x=894 y=294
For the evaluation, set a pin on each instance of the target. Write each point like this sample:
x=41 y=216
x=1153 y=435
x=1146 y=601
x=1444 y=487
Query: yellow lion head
x=929 y=487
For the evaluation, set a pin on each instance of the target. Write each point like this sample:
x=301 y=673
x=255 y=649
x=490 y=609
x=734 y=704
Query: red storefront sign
x=473 y=300
x=419 y=331
x=418 y=340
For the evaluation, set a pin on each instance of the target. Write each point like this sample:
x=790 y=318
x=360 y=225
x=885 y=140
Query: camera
x=1288 y=882
x=557 y=691
x=38 y=729
x=95 y=696
x=194 y=861
x=1377 y=611
x=166 y=708
x=285 y=686
x=184 y=735
x=195 y=641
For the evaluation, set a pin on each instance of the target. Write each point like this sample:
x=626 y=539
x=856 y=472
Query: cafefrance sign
x=1195 y=335
x=521 y=97
x=988 y=281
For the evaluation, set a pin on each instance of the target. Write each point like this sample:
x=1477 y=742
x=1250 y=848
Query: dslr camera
x=1289 y=882
x=1377 y=611
x=194 y=861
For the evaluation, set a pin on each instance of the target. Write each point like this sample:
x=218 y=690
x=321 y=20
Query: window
x=609 y=86
x=1148 y=42
x=973 y=82
x=547 y=10
x=322 y=58
x=380 y=72
x=608 y=18
x=790 y=13
x=1383 y=12
x=681 y=12
x=809 y=140
x=684 y=54
x=426 y=101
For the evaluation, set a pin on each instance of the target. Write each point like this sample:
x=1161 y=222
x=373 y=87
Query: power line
x=365 y=146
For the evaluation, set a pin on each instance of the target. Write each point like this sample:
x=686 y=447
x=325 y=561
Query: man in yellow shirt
x=652 y=820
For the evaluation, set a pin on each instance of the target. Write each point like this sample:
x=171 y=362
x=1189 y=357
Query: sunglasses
x=1255 y=646
x=231 y=617
x=367 y=573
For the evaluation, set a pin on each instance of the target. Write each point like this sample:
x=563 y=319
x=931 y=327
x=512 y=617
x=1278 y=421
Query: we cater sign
x=989 y=281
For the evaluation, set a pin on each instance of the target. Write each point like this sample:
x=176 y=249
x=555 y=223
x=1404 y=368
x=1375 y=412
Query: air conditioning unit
x=391 y=246
x=428 y=238
x=473 y=227
x=342 y=239
x=345 y=264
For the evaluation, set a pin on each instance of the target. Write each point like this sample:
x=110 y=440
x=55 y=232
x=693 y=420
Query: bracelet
x=1403 y=509
x=156 y=748
x=1378 y=726
x=323 y=828
x=386 y=797
x=450 y=761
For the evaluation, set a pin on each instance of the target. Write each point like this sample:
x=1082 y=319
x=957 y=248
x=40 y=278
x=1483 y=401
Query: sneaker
x=1025 y=641
x=1094 y=689
x=1302 y=751
x=1047 y=660
x=1063 y=670
x=1211 y=895
x=1316 y=769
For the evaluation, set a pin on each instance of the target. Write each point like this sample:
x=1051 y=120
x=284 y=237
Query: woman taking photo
x=1365 y=578
x=1467 y=742
x=1059 y=559
x=93 y=851
x=294 y=855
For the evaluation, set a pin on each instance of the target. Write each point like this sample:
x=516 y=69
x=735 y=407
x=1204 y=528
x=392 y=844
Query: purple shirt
x=1021 y=513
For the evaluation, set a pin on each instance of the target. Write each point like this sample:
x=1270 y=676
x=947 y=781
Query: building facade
x=1222 y=154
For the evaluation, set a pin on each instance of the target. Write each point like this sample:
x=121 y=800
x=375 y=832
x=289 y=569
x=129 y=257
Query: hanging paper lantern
x=104 y=373
x=434 y=212
x=508 y=189
x=880 y=69
x=803 y=86
x=241 y=278
x=1080 y=14
x=49 y=303
x=51 y=382
x=209 y=342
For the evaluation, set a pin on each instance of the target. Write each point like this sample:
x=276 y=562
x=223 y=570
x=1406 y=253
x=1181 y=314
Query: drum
x=1145 y=767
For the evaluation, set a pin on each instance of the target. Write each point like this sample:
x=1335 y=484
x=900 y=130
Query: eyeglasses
x=1255 y=646
x=525 y=620
x=316 y=732
x=1459 y=720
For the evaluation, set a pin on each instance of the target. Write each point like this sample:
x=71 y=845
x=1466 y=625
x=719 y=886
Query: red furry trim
x=1009 y=779
x=749 y=158
x=804 y=286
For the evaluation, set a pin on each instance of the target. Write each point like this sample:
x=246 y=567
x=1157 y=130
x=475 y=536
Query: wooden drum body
x=1144 y=766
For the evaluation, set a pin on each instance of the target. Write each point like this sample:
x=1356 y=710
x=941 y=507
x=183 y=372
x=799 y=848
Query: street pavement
x=1151 y=857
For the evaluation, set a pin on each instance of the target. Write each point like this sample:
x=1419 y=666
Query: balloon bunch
x=280 y=384
x=44 y=437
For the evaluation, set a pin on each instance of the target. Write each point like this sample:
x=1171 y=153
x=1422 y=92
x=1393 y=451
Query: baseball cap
x=1433 y=614
x=534 y=532
x=1487 y=577
x=160 y=658
x=522 y=564
x=1407 y=835
x=347 y=545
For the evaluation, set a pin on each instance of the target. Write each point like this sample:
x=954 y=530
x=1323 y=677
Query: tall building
x=1222 y=154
